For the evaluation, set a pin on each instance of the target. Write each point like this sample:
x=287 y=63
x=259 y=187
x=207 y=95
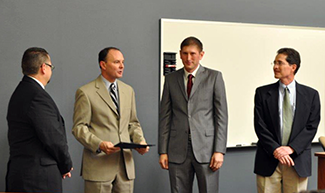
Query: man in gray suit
x=193 y=122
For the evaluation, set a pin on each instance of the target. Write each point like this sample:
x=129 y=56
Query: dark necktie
x=114 y=96
x=189 y=85
x=287 y=117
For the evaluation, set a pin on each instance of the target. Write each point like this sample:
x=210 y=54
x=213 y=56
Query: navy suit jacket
x=267 y=128
x=38 y=147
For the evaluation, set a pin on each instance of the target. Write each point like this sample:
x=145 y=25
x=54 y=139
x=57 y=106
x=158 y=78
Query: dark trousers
x=42 y=178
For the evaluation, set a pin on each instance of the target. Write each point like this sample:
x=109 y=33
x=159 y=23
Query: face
x=112 y=68
x=48 y=69
x=191 y=57
x=282 y=69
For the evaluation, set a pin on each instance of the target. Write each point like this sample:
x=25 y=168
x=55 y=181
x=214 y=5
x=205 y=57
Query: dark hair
x=32 y=60
x=192 y=41
x=103 y=53
x=293 y=57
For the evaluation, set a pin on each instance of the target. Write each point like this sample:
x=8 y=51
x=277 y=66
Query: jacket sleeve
x=266 y=139
x=164 y=119
x=135 y=129
x=304 y=138
x=81 y=122
x=220 y=115
x=50 y=130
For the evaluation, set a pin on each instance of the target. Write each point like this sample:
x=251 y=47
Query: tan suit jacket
x=96 y=120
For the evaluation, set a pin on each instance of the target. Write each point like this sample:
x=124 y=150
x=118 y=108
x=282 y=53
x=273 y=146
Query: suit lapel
x=103 y=93
x=273 y=106
x=180 y=80
x=122 y=96
x=198 y=79
x=301 y=108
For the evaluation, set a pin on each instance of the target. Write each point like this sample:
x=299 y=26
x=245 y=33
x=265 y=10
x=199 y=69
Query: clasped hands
x=108 y=148
x=282 y=154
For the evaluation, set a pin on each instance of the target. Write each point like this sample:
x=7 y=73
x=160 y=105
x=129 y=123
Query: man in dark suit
x=286 y=117
x=39 y=156
x=193 y=122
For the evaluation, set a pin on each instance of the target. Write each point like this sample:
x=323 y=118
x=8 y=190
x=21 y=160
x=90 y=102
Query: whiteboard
x=244 y=53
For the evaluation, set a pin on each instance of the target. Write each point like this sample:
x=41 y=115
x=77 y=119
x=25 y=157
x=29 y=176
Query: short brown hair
x=293 y=56
x=192 y=41
x=32 y=60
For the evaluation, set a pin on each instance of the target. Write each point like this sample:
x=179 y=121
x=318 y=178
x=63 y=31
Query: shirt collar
x=291 y=86
x=193 y=73
x=108 y=83
x=37 y=81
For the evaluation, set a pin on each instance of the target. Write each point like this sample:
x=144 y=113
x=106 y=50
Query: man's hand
x=216 y=161
x=282 y=151
x=108 y=147
x=283 y=155
x=163 y=161
x=67 y=174
x=142 y=150
x=286 y=160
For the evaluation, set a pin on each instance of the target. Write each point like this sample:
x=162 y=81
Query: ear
x=102 y=65
x=42 y=68
x=201 y=54
x=294 y=67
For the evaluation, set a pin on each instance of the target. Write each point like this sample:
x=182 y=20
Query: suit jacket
x=96 y=120
x=37 y=139
x=204 y=113
x=267 y=128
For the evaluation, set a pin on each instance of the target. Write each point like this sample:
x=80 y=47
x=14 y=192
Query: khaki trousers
x=120 y=184
x=284 y=179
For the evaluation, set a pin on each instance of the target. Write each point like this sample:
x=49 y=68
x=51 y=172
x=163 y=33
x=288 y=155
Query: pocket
x=47 y=161
x=209 y=133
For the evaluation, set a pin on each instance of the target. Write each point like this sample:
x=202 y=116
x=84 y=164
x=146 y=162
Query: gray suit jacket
x=204 y=112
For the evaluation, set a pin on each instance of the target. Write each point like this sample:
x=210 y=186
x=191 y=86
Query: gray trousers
x=182 y=175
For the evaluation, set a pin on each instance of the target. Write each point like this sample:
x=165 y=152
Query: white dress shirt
x=292 y=96
x=37 y=82
x=186 y=76
x=108 y=86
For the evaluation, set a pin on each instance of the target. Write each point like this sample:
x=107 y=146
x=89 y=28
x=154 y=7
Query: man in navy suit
x=39 y=156
x=286 y=117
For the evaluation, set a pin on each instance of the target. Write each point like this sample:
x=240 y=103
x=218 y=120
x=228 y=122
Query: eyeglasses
x=51 y=66
x=280 y=63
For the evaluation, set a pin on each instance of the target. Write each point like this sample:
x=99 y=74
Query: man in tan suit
x=104 y=115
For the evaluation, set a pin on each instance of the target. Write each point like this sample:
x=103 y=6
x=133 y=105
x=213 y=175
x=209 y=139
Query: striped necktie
x=287 y=117
x=114 y=96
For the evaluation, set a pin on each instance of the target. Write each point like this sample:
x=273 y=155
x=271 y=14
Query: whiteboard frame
x=274 y=37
